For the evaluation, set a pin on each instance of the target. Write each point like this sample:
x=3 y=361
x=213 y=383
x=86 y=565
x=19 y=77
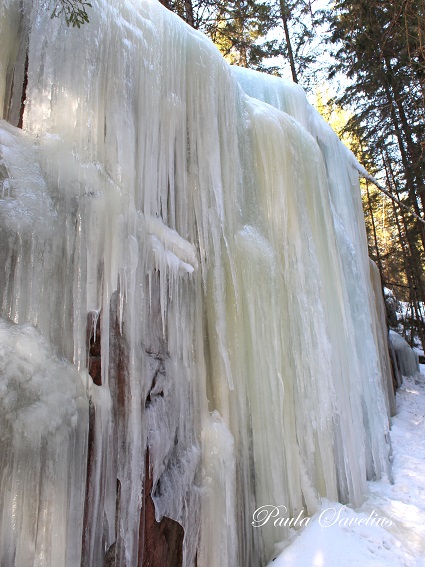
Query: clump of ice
x=39 y=392
x=406 y=358
x=43 y=450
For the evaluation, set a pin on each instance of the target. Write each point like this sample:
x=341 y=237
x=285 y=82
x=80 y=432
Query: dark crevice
x=90 y=471
x=24 y=93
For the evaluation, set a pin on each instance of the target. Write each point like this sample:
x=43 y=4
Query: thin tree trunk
x=372 y=217
x=407 y=167
x=188 y=7
x=415 y=258
x=284 y=12
x=411 y=259
x=412 y=149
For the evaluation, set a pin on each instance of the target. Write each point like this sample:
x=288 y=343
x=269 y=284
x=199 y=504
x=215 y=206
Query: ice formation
x=43 y=448
x=204 y=226
x=406 y=358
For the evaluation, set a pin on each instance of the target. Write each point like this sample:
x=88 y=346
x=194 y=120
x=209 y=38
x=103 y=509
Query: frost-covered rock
x=391 y=306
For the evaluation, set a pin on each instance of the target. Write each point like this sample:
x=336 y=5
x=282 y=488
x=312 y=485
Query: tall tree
x=373 y=50
x=239 y=30
x=378 y=45
x=285 y=15
x=238 y=27
x=74 y=11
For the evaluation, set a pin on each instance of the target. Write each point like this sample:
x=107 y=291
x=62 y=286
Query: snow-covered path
x=389 y=529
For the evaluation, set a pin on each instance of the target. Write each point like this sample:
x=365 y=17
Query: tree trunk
x=188 y=7
x=284 y=12
x=372 y=218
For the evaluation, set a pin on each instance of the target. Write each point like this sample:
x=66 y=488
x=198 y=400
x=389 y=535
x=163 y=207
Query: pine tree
x=74 y=11
x=378 y=45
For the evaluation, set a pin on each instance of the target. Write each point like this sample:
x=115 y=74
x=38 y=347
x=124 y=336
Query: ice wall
x=209 y=249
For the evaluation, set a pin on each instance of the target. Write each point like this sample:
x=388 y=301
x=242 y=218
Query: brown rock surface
x=161 y=543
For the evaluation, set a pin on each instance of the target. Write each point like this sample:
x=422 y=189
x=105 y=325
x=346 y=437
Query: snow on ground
x=389 y=529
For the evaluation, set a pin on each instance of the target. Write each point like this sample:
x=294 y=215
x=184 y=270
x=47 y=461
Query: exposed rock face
x=88 y=505
x=161 y=544
x=94 y=348
x=391 y=308
x=389 y=380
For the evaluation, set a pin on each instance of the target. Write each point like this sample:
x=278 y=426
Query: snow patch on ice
x=39 y=392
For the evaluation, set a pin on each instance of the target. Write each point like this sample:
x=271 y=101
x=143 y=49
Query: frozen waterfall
x=189 y=327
